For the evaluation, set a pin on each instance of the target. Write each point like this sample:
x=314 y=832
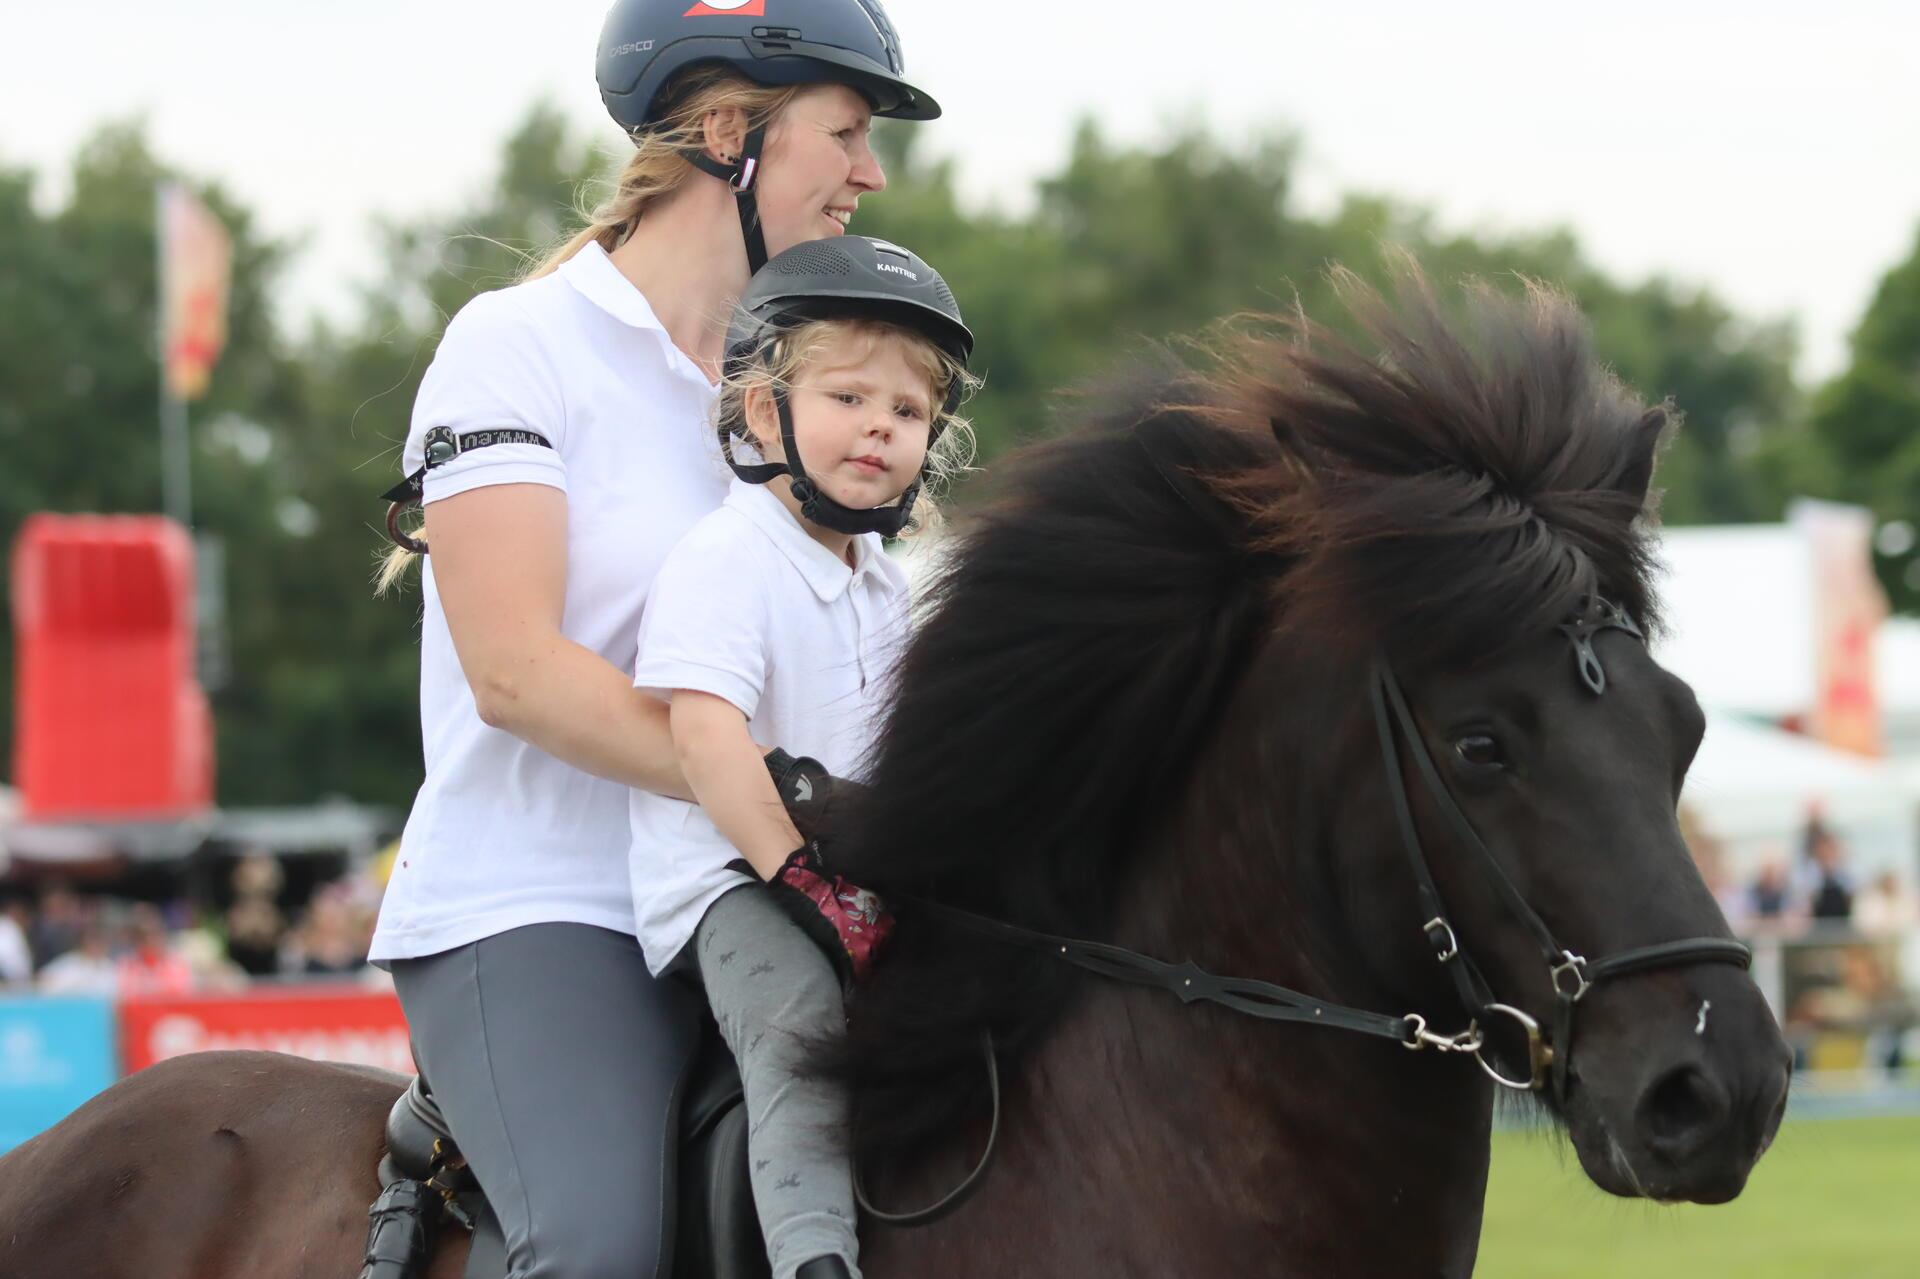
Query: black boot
x=827 y=1267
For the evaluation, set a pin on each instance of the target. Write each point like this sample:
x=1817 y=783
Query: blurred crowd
x=1850 y=958
x=1816 y=889
x=60 y=939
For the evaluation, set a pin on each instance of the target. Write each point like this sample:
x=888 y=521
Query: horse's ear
x=1643 y=447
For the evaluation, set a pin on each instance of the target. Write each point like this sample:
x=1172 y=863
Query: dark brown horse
x=1144 y=710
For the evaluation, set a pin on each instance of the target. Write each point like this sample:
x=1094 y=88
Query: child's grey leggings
x=770 y=986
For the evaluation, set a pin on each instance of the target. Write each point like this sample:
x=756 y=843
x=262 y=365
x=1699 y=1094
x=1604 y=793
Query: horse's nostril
x=1683 y=1110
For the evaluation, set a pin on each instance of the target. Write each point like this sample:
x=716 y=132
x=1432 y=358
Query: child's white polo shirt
x=503 y=834
x=750 y=608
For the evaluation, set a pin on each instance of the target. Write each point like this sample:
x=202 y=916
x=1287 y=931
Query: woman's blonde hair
x=791 y=354
x=659 y=165
x=656 y=170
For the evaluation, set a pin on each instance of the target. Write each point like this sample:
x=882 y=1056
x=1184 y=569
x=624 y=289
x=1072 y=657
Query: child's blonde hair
x=793 y=351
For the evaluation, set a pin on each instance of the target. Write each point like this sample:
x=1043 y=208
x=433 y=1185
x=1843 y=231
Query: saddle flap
x=416 y=1130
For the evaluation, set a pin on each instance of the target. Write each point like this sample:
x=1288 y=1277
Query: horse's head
x=1671 y=1077
x=1462 y=580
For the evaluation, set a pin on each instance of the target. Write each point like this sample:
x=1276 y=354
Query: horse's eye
x=1480 y=750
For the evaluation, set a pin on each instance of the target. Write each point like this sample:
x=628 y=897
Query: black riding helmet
x=842 y=277
x=645 y=43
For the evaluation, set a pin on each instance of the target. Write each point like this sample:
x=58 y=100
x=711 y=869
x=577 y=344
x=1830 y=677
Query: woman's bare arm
x=500 y=562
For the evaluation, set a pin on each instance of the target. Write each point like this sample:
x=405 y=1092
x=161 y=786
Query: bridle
x=1573 y=976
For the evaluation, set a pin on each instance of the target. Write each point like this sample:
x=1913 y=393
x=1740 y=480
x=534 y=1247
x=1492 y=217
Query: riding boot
x=400 y=1239
x=827 y=1267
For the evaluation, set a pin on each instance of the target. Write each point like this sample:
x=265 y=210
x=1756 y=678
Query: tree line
x=1123 y=246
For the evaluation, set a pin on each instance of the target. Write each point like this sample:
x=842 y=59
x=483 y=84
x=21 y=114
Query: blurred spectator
x=16 y=955
x=57 y=926
x=255 y=928
x=1769 y=895
x=86 y=969
x=331 y=940
x=1885 y=906
x=150 y=966
x=1830 y=896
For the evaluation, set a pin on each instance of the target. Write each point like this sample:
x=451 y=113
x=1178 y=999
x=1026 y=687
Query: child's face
x=862 y=413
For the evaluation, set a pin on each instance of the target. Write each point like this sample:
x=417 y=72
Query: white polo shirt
x=750 y=608
x=502 y=834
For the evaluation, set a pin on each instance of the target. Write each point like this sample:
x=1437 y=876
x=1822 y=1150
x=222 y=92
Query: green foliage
x=1133 y=246
x=1865 y=444
x=1123 y=248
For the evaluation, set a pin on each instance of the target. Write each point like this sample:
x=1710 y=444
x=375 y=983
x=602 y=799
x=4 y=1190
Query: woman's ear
x=725 y=134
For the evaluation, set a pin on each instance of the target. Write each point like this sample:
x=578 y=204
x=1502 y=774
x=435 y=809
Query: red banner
x=327 y=1024
x=1849 y=607
x=196 y=266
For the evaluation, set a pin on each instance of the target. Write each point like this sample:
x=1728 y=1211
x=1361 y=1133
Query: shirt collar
x=594 y=276
x=598 y=280
x=825 y=572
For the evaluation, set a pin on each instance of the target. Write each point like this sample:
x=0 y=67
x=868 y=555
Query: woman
x=567 y=418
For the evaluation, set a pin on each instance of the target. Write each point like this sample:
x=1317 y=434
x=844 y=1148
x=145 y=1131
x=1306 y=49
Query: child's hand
x=859 y=921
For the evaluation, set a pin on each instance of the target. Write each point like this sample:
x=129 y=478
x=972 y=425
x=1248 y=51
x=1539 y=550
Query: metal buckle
x=1467 y=1041
x=1539 y=1052
x=1575 y=964
x=1451 y=950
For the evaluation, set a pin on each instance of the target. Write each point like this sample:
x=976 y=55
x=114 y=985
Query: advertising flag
x=196 y=260
x=1848 y=609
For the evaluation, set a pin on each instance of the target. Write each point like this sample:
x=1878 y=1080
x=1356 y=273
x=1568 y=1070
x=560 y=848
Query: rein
x=1572 y=976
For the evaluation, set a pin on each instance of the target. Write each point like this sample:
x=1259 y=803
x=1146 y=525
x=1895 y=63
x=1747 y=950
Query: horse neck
x=1162 y=1139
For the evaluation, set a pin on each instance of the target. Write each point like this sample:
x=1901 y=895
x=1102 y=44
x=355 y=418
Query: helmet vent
x=813 y=258
x=944 y=294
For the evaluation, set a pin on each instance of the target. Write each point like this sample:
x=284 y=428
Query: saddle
x=427 y=1184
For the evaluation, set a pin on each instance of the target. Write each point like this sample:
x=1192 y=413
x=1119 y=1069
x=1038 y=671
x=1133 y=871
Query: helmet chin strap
x=815 y=506
x=741 y=175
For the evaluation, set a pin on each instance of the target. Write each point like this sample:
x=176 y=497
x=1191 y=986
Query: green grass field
x=1833 y=1199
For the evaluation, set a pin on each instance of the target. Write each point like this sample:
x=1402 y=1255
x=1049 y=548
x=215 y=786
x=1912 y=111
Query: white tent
x=1740 y=620
x=1752 y=786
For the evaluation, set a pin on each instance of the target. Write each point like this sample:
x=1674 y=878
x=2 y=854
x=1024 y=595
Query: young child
x=775 y=623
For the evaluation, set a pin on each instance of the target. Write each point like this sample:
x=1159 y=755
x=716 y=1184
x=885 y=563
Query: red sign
x=327 y=1024
x=110 y=723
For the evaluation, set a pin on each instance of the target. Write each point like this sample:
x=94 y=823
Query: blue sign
x=55 y=1052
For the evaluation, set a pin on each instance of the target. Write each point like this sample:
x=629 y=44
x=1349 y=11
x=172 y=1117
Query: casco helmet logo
x=728 y=8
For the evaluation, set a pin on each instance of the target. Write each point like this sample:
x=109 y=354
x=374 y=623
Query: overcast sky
x=1768 y=149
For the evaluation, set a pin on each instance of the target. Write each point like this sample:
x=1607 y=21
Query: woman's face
x=816 y=166
x=862 y=413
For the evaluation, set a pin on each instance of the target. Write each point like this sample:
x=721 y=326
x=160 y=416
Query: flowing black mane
x=1468 y=482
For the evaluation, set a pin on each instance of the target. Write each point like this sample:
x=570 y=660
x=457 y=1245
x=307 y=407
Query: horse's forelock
x=1464 y=488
